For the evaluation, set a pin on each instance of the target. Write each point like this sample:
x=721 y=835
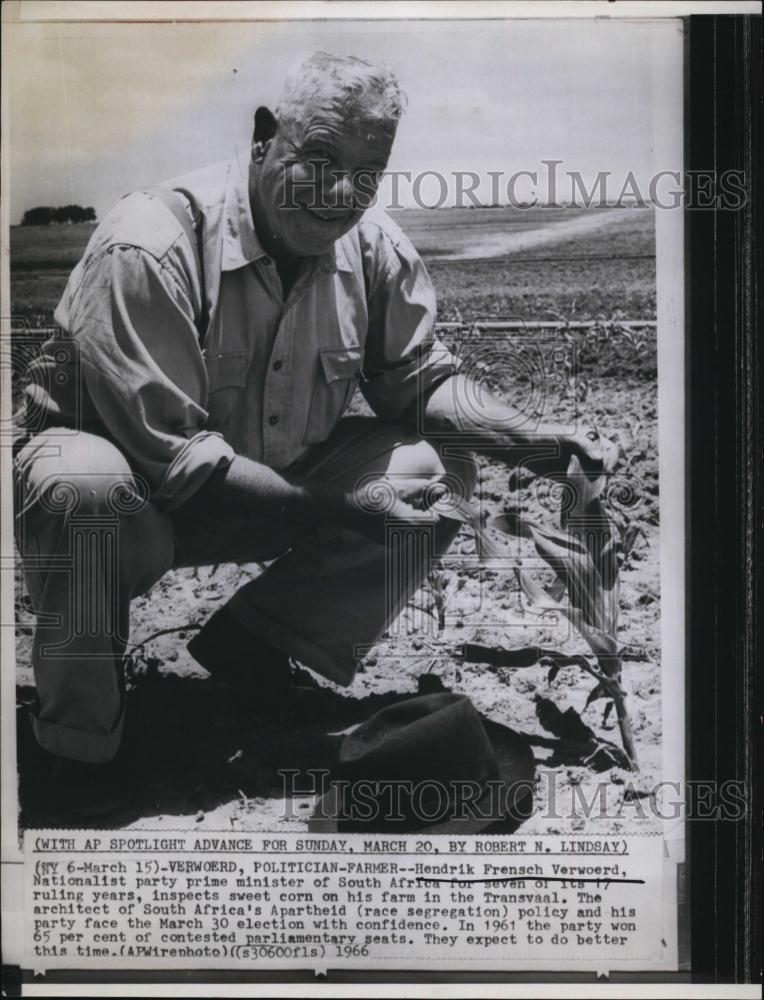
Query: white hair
x=367 y=96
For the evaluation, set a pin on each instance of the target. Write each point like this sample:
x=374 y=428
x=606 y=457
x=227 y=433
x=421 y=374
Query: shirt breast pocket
x=227 y=377
x=340 y=369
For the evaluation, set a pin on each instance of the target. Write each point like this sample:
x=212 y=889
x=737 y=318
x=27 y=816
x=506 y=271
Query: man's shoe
x=75 y=790
x=252 y=666
x=307 y=704
x=55 y=789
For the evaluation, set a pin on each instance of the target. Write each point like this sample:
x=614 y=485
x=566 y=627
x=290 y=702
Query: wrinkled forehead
x=333 y=116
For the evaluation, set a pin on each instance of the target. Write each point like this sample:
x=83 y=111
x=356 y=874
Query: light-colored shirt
x=272 y=376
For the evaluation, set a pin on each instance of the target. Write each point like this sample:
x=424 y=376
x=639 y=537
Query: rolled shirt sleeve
x=403 y=357
x=144 y=371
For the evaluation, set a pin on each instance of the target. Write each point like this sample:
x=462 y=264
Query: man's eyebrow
x=314 y=145
x=374 y=165
x=321 y=141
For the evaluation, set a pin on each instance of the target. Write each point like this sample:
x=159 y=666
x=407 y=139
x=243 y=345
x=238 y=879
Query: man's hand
x=596 y=454
x=555 y=447
x=373 y=509
x=248 y=487
x=503 y=432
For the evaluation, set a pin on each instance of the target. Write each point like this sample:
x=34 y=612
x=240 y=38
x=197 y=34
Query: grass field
x=202 y=763
x=608 y=272
x=448 y=232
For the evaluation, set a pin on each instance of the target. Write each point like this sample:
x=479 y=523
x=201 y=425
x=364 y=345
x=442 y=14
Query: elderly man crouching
x=218 y=327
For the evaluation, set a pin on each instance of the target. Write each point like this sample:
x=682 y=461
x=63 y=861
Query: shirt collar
x=240 y=243
x=340 y=257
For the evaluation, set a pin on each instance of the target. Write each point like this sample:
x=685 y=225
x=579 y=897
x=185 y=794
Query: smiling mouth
x=326 y=215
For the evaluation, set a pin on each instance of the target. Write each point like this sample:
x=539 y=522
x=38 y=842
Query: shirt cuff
x=202 y=455
x=390 y=393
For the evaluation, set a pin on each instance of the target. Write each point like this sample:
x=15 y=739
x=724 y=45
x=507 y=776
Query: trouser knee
x=77 y=474
x=77 y=494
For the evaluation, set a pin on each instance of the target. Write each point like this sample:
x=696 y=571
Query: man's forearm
x=251 y=488
x=464 y=409
x=256 y=490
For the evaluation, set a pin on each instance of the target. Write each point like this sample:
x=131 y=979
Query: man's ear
x=265 y=125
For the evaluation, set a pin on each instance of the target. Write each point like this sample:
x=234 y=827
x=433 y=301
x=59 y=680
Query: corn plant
x=585 y=553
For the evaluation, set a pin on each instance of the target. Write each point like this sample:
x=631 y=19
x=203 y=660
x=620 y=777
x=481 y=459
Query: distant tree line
x=45 y=215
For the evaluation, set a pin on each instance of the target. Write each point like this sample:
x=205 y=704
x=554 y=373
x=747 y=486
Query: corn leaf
x=584 y=553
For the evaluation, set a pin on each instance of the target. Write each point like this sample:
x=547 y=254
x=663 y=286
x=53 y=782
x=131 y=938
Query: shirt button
x=267 y=261
x=273 y=420
x=277 y=365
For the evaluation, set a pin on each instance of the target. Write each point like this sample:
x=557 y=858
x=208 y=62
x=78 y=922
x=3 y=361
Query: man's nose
x=340 y=193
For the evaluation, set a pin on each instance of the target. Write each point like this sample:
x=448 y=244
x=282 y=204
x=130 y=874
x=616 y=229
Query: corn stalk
x=584 y=553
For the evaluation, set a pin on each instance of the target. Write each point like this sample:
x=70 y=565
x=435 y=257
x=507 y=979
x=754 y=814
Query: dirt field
x=202 y=759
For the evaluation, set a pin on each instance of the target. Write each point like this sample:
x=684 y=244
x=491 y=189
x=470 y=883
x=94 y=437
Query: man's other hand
x=376 y=509
x=597 y=454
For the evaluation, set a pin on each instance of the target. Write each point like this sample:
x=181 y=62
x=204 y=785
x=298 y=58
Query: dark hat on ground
x=431 y=764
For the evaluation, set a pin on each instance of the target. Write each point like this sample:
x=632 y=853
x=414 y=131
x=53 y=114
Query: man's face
x=312 y=188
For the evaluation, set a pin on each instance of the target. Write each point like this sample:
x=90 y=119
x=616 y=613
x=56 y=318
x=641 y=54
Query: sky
x=97 y=110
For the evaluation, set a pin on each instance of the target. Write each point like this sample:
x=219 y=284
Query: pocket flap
x=342 y=362
x=224 y=370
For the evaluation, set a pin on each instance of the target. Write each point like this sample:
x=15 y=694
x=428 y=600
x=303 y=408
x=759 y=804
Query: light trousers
x=91 y=541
